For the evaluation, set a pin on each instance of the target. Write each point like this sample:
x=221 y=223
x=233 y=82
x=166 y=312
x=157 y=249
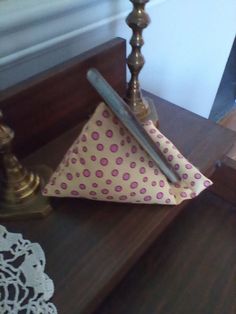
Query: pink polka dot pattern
x=156 y=171
x=159 y=195
x=134 y=185
x=86 y=173
x=95 y=136
x=142 y=170
x=119 y=160
x=123 y=197
x=75 y=150
x=99 y=174
x=150 y=163
x=109 y=133
x=183 y=194
x=106 y=163
x=176 y=166
x=207 y=183
x=188 y=166
x=152 y=131
x=82 y=186
x=134 y=149
x=133 y=164
x=74 y=193
x=114 y=148
x=161 y=183
x=99 y=122
x=93 y=158
x=118 y=188
x=106 y=113
x=143 y=191
x=185 y=176
x=73 y=160
x=126 y=176
x=82 y=161
x=100 y=147
x=92 y=193
x=63 y=185
x=115 y=172
x=83 y=138
x=128 y=139
x=105 y=191
x=69 y=176
x=197 y=176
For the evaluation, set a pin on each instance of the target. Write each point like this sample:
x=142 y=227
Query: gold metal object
x=20 y=189
x=137 y=20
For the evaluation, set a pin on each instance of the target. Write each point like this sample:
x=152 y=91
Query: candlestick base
x=36 y=206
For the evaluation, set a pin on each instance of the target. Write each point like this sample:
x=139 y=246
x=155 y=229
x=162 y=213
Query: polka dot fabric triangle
x=106 y=163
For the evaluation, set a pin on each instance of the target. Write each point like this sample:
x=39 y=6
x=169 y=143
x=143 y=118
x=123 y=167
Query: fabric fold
x=106 y=163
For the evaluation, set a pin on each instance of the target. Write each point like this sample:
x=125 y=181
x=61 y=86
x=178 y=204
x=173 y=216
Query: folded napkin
x=106 y=163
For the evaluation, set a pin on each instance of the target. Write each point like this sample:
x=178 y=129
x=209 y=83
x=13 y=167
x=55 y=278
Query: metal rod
x=126 y=116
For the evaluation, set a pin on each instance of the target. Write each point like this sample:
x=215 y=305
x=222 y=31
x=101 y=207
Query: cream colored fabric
x=106 y=163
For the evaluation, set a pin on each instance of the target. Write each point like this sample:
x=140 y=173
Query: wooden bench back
x=48 y=104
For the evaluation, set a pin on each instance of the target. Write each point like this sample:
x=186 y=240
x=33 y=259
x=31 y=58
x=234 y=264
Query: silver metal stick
x=126 y=116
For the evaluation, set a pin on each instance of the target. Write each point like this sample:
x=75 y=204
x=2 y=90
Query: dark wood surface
x=90 y=245
x=225 y=180
x=43 y=107
x=191 y=268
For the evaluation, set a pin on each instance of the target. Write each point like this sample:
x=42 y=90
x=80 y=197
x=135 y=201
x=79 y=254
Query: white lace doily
x=24 y=287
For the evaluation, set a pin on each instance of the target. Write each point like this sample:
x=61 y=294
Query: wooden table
x=89 y=245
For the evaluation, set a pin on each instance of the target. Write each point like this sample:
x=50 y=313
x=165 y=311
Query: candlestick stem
x=137 y=20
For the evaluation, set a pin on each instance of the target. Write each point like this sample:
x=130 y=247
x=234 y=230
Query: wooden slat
x=44 y=106
x=225 y=180
x=191 y=269
x=91 y=245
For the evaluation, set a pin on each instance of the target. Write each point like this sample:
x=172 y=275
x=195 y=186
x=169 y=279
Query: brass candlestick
x=137 y=20
x=20 y=189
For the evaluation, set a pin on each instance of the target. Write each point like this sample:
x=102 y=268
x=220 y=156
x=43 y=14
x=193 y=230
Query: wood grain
x=90 y=245
x=225 y=180
x=190 y=269
x=43 y=107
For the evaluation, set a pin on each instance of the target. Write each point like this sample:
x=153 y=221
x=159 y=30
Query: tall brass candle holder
x=20 y=189
x=137 y=20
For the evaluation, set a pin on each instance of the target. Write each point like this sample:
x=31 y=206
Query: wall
x=192 y=41
x=186 y=46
